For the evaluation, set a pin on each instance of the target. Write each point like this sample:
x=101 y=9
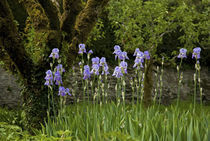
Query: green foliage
x=112 y=122
x=144 y=24
x=102 y=39
x=13 y=117
x=140 y=24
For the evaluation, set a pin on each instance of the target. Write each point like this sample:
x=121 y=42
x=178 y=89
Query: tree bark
x=12 y=42
x=52 y=13
x=71 y=10
x=84 y=23
x=148 y=83
x=19 y=13
x=37 y=14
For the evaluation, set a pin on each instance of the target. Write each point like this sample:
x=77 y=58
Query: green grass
x=111 y=122
x=117 y=122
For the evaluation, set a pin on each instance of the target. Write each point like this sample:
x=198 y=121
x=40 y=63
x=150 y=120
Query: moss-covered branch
x=19 y=12
x=85 y=21
x=37 y=14
x=52 y=13
x=71 y=10
x=11 y=41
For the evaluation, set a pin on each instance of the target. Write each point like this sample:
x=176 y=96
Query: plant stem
x=179 y=83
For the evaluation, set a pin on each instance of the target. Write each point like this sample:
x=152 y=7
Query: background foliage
x=161 y=26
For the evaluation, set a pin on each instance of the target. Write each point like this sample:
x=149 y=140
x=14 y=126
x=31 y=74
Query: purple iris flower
x=104 y=65
x=95 y=60
x=55 y=53
x=182 y=53
x=90 y=52
x=105 y=69
x=67 y=91
x=60 y=68
x=196 y=53
x=123 y=66
x=136 y=51
x=123 y=55
x=117 y=72
x=95 y=69
x=147 y=55
x=139 y=60
x=117 y=47
x=58 y=78
x=117 y=51
x=138 y=64
x=102 y=61
x=49 y=78
x=82 y=49
x=140 y=56
x=86 y=72
x=63 y=91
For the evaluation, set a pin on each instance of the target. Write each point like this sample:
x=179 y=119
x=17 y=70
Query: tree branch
x=52 y=13
x=19 y=12
x=71 y=10
x=85 y=21
x=37 y=14
x=11 y=41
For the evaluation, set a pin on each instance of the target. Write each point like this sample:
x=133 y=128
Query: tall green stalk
x=195 y=83
x=157 y=84
x=161 y=81
x=179 y=82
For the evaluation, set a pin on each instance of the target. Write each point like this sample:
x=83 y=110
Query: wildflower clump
x=122 y=67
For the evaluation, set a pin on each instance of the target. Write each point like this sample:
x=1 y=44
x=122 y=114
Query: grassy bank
x=118 y=122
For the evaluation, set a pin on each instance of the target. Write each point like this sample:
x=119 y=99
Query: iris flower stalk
x=140 y=74
x=82 y=50
x=133 y=89
x=196 y=55
x=161 y=80
x=140 y=57
x=55 y=56
x=118 y=74
x=157 y=85
x=199 y=83
x=123 y=66
x=105 y=68
x=74 y=90
x=86 y=74
x=182 y=54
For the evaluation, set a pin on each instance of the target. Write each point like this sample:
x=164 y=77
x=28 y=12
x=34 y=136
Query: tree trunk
x=148 y=83
x=35 y=97
x=84 y=24
x=12 y=43
x=32 y=73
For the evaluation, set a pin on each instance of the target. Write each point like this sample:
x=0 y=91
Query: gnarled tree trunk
x=76 y=22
